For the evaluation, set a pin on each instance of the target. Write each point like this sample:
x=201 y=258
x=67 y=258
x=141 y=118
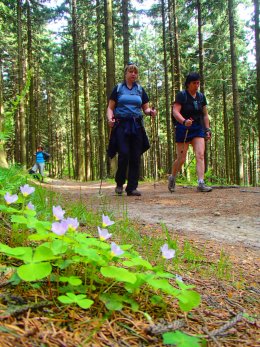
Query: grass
x=222 y=284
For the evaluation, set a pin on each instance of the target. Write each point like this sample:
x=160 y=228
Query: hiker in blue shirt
x=128 y=138
x=41 y=157
x=191 y=127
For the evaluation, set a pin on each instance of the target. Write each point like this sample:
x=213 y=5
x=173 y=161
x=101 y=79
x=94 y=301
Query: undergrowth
x=72 y=264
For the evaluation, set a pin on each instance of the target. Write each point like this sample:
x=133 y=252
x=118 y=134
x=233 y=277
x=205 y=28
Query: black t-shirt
x=191 y=107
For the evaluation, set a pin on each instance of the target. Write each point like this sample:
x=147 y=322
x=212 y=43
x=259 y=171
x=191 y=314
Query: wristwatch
x=183 y=123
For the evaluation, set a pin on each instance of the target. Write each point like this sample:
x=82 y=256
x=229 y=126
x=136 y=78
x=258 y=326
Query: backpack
x=46 y=156
x=198 y=94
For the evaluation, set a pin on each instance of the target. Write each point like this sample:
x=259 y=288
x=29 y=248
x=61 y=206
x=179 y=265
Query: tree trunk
x=88 y=158
x=236 y=108
x=110 y=58
x=31 y=116
x=125 y=31
x=226 y=132
x=201 y=47
x=20 y=147
x=257 y=50
x=100 y=101
x=177 y=67
x=3 y=161
x=76 y=120
x=167 y=102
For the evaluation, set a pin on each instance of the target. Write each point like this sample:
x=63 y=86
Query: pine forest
x=61 y=59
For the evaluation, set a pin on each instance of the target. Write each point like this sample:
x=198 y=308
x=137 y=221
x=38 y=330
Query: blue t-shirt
x=129 y=101
x=39 y=157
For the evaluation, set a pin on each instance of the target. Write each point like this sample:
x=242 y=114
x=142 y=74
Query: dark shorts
x=193 y=131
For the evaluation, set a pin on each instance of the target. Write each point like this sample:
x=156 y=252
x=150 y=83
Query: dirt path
x=230 y=215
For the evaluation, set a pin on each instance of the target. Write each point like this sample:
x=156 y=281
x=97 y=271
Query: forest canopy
x=54 y=86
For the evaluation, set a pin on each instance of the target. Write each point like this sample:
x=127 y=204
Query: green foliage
x=179 y=339
x=12 y=178
x=82 y=264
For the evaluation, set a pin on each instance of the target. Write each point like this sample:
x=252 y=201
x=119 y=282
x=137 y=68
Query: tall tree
x=166 y=86
x=257 y=51
x=3 y=161
x=176 y=48
x=31 y=116
x=236 y=107
x=77 y=127
x=201 y=47
x=125 y=31
x=110 y=54
x=100 y=99
x=20 y=146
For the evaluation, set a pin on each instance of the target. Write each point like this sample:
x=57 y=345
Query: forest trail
x=229 y=216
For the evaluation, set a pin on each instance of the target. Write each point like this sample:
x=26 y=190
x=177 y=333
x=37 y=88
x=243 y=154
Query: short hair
x=40 y=147
x=193 y=76
x=131 y=67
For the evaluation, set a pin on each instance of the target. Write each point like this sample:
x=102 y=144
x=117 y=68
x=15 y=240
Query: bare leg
x=198 y=144
x=181 y=149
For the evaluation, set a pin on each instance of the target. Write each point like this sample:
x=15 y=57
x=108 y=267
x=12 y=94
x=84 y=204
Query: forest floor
x=224 y=220
x=228 y=216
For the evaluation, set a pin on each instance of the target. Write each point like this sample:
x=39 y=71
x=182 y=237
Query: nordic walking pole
x=154 y=151
x=101 y=179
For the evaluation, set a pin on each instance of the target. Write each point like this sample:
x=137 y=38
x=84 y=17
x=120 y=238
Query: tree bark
x=236 y=108
x=257 y=51
x=110 y=58
x=177 y=67
x=31 y=116
x=20 y=146
x=167 y=102
x=3 y=161
x=100 y=101
x=76 y=120
x=125 y=31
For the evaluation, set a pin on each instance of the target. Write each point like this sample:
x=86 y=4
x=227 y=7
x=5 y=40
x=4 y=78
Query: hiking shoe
x=134 y=192
x=203 y=188
x=171 y=183
x=119 y=190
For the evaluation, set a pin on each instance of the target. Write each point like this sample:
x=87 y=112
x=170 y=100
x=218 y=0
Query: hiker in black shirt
x=191 y=127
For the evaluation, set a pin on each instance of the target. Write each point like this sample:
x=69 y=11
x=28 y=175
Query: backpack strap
x=184 y=94
x=139 y=88
x=200 y=96
x=118 y=87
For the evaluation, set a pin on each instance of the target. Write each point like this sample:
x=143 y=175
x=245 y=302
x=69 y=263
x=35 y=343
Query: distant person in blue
x=41 y=158
x=191 y=127
x=126 y=106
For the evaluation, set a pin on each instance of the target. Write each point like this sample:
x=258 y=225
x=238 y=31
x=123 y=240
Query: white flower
x=30 y=206
x=116 y=250
x=166 y=252
x=103 y=234
x=106 y=221
x=58 y=212
x=27 y=190
x=59 y=228
x=10 y=198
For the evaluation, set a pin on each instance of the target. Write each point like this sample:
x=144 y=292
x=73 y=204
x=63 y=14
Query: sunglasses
x=131 y=63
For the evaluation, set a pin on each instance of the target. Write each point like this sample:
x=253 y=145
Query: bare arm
x=176 y=111
x=110 y=113
x=206 y=122
x=148 y=110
